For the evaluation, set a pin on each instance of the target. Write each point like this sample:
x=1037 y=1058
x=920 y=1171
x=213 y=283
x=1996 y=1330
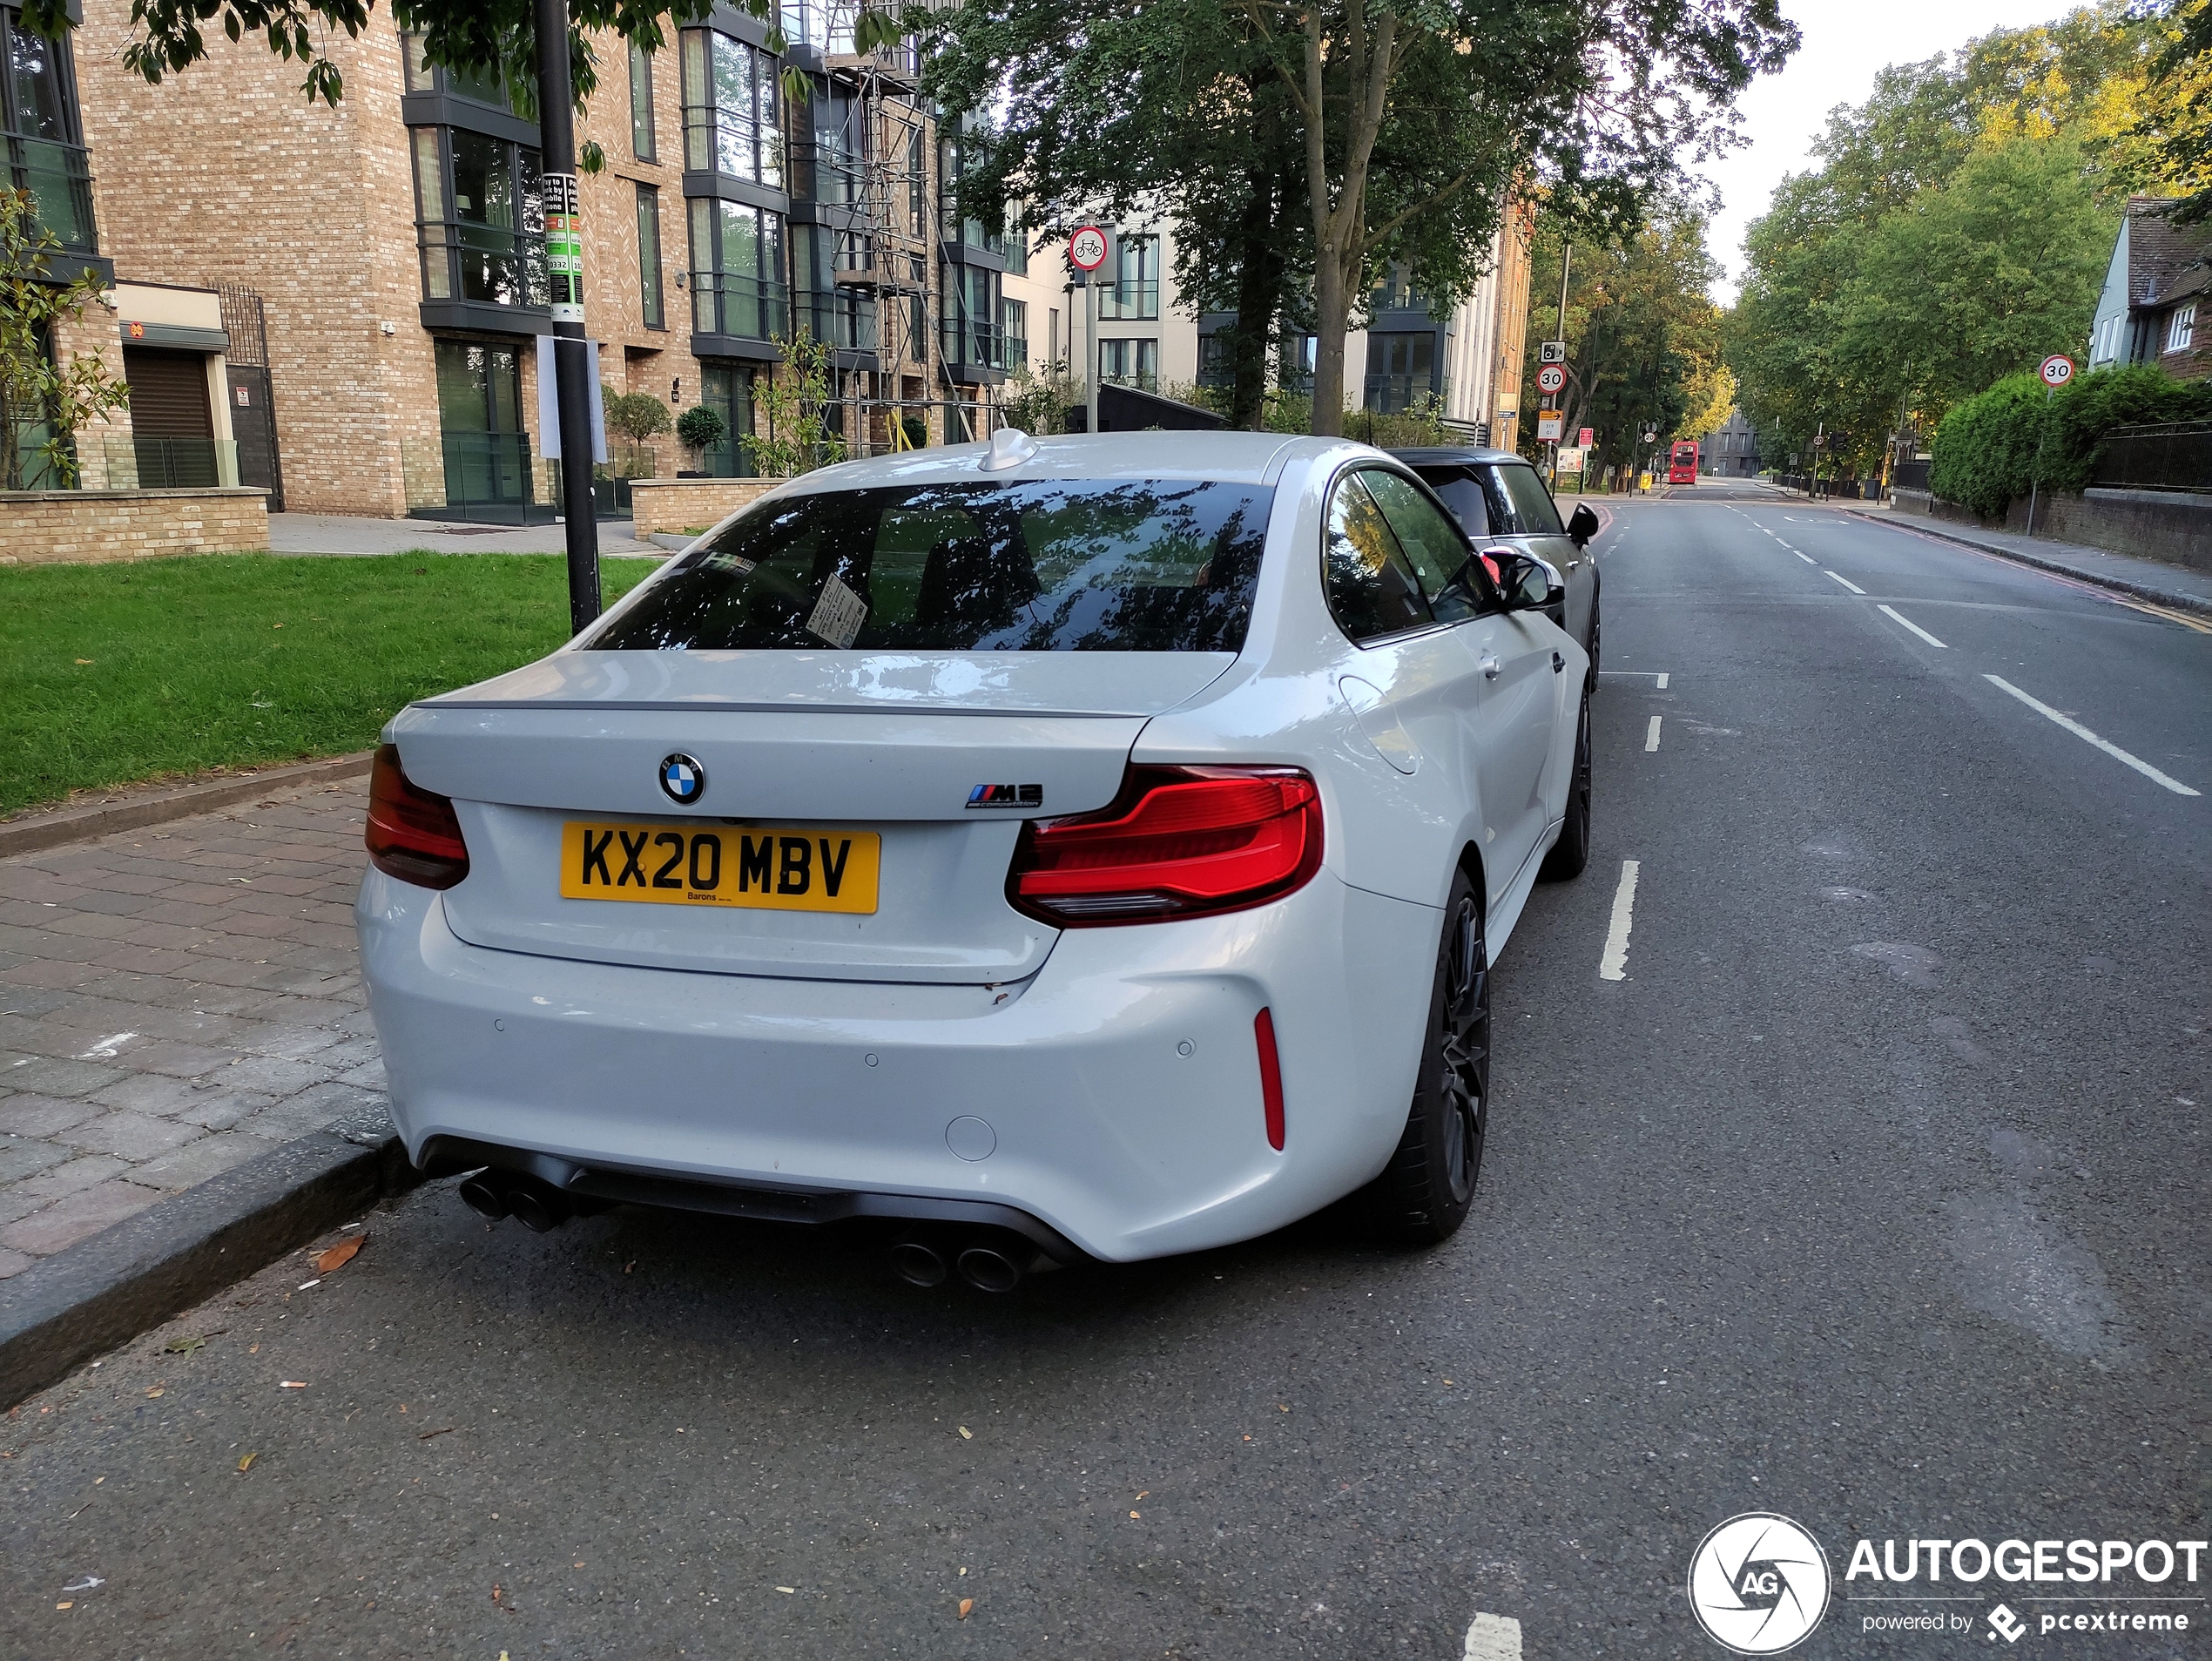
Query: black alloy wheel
x=1595 y=633
x=1572 y=852
x=1424 y=1194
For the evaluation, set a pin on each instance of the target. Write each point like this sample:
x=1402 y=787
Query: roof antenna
x=1010 y=446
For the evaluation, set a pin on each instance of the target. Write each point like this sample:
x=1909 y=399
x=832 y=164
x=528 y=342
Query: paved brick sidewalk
x=173 y=1001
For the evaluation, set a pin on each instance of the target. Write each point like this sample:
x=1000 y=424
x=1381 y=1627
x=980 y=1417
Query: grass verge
x=115 y=673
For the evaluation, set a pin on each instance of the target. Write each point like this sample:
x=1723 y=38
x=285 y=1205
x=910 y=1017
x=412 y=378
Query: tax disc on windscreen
x=2057 y=371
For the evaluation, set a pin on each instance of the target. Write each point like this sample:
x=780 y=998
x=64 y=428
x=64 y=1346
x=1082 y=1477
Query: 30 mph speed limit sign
x=1087 y=248
x=1550 y=378
x=2057 y=371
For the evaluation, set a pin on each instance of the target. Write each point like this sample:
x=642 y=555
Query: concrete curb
x=2118 y=584
x=125 y=1279
x=159 y=806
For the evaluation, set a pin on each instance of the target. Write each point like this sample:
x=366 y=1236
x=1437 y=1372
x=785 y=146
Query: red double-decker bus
x=1681 y=462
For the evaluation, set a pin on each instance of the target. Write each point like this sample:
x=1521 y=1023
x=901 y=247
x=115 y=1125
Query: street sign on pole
x=571 y=352
x=1551 y=378
x=2057 y=371
x=1552 y=352
x=1587 y=437
x=1087 y=248
x=1548 y=422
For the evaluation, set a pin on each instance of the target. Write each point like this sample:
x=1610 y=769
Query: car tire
x=1596 y=634
x=1572 y=851
x=1424 y=1192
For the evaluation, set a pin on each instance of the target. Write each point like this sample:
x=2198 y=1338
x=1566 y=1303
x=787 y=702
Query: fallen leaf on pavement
x=247 y=1463
x=291 y=1384
x=966 y=1434
x=793 y=1591
x=156 y=1391
x=340 y=1254
x=253 y=1349
x=67 y=1605
x=1135 y=1516
x=966 y=1604
x=186 y=1345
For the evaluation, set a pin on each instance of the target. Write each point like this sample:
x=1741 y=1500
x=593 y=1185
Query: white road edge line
x=1898 y=616
x=1846 y=582
x=1663 y=680
x=1651 y=736
x=2087 y=737
x=1492 y=1637
x=1614 y=966
x=1808 y=558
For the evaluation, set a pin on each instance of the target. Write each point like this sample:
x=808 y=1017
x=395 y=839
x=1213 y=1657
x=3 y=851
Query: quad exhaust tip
x=918 y=1263
x=989 y=1269
x=984 y=1262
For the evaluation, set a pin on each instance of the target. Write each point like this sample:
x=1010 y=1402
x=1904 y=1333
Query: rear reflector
x=1271 y=1077
x=1177 y=842
x=412 y=832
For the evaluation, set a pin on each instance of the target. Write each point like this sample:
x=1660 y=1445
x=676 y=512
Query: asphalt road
x=1874 y=1194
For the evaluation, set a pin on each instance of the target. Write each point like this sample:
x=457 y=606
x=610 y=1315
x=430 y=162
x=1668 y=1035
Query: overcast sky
x=1844 y=46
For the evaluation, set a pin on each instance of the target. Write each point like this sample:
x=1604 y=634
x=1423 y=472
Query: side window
x=1372 y=588
x=1461 y=491
x=1532 y=512
x=1435 y=549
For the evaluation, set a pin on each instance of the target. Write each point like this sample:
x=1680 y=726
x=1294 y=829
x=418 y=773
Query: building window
x=641 y=103
x=1014 y=248
x=44 y=153
x=825 y=146
x=1217 y=359
x=480 y=218
x=487 y=454
x=1130 y=363
x=1135 y=296
x=649 y=293
x=2180 y=328
x=825 y=310
x=1052 y=353
x=970 y=319
x=812 y=24
x=1294 y=363
x=730 y=122
x=738 y=270
x=1401 y=369
x=478 y=86
x=727 y=390
x=1013 y=334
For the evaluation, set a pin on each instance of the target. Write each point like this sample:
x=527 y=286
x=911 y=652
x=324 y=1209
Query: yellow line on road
x=2183 y=617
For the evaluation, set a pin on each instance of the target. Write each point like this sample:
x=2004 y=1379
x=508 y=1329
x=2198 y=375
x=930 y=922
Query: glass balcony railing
x=845 y=321
x=754 y=307
x=487 y=478
x=971 y=342
x=480 y=262
x=60 y=177
x=145 y=463
x=1392 y=394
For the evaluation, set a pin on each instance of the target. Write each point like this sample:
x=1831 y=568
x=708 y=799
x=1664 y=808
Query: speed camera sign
x=1550 y=378
x=2058 y=369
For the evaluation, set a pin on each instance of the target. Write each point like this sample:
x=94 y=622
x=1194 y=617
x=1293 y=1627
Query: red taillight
x=412 y=833
x=1179 y=843
x=1271 y=1077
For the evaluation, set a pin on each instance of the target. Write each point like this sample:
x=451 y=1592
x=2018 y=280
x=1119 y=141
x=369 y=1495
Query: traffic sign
x=1548 y=422
x=1552 y=352
x=1588 y=438
x=2057 y=371
x=1087 y=248
x=1550 y=378
x=1651 y=435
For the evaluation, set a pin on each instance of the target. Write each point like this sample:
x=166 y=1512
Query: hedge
x=1991 y=448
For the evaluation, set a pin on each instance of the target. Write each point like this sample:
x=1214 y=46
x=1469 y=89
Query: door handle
x=1489 y=665
x=1559 y=663
x=1574 y=565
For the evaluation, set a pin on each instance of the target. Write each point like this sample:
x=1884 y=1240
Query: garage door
x=174 y=430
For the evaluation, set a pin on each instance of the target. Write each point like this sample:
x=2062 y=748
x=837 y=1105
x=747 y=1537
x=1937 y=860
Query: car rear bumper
x=1113 y=1096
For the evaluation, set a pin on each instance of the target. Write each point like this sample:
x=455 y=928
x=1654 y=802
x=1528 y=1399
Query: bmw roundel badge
x=682 y=780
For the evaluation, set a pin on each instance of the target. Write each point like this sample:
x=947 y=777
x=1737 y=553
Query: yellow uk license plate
x=730 y=865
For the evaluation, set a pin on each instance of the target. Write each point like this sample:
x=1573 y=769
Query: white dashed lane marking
x=1903 y=621
x=1651 y=736
x=1808 y=558
x=1614 y=966
x=2087 y=737
x=1846 y=582
x=1494 y=1637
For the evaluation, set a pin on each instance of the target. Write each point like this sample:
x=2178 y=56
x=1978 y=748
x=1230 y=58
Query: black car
x=1502 y=502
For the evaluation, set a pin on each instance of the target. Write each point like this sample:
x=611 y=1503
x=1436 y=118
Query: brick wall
x=94 y=335
x=674 y=506
x=95 y=527
x=226 y=173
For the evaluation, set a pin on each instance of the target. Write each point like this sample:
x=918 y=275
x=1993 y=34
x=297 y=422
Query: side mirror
x=1582 y=525
x=1528 y=583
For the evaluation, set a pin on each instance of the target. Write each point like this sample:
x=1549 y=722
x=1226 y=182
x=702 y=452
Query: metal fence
x=1850 y=489
x=1910 y=475
x=142 y=462
x=2177 y=457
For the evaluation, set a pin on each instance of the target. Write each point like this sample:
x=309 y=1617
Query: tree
x=43 y=401
x=1643 y=336
x=2173 y=130
x=701 y=428
x=790 y=405
x=637 y=416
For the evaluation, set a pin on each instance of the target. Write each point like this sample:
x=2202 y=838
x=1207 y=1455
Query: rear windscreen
x=1157 y=565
